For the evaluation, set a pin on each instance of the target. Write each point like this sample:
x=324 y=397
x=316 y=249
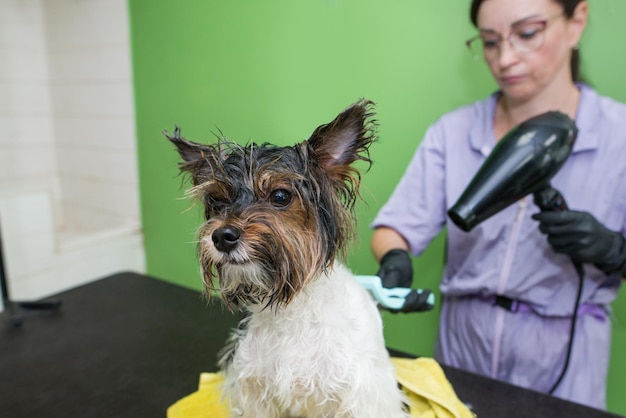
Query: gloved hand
x=396 y=269
x=584 y=239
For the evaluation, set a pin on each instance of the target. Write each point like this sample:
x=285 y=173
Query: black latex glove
x=396 y=269
x=584 y=239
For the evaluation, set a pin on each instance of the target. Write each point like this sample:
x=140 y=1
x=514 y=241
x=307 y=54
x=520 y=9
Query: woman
x=509 y=286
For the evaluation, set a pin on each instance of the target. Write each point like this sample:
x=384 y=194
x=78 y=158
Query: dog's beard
x=241 y=280
x=269 y=266
x=244 y=282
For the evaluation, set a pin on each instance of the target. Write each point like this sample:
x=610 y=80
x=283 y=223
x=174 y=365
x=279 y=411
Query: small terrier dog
x=277 y=219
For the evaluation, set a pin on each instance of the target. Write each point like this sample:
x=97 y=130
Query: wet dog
x=278 y=220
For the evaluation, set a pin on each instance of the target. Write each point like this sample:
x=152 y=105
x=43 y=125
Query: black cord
x=548 y=198
x=581 y=276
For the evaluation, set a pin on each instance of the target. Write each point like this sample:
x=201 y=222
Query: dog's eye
x=280 y=198
x=215 y=205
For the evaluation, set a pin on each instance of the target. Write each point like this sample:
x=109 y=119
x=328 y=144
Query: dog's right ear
x=196 y=157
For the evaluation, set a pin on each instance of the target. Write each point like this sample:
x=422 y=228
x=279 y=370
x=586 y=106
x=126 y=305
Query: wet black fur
x=317 y=169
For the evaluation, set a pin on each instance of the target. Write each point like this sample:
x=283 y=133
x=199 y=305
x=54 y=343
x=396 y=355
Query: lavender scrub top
x=507 y=254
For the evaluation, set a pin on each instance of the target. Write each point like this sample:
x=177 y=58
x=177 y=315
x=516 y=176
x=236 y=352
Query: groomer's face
x=527 y=44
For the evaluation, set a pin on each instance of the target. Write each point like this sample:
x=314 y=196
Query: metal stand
x=13 y=308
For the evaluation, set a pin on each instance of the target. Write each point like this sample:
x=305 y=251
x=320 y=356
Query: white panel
x=86 y=24
x=79 y=266
x=25 y=32
x=20 y=64
x=20 y=10
x=24 y=98
x=87 y=220
x=24 y=185
x=65 y=83
x=97 y=132
x=25 y=130
x=29 y=254
x=114 y=199
x=24 y=215
x=108 y=63
x=109 y=99
x=34 y=286
x=98 y=165
x=26 y=161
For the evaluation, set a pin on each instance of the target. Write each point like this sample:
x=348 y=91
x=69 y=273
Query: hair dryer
x=522 y=162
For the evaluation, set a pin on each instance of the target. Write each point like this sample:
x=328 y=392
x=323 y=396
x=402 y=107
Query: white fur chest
x=311 y=354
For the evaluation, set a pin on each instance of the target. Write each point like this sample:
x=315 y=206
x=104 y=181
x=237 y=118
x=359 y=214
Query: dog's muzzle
x=226 y=238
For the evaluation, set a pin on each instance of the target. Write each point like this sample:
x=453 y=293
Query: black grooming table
x=130 y=345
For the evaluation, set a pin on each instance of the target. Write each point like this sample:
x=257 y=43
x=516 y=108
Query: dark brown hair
x=568 y=10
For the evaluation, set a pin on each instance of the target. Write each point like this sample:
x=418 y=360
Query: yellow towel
x=206 y=402
x=429 y=392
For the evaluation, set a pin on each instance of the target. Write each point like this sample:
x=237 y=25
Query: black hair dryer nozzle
x=521 y=163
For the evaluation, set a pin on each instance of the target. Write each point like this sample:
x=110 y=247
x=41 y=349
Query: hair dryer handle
x=550 y=199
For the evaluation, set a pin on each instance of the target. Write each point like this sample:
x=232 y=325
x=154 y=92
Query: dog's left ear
x=346 y=139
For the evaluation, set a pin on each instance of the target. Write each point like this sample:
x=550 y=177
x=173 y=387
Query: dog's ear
x=196 y=157
x=346 y=139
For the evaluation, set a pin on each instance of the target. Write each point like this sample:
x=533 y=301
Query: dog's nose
x=226 y=238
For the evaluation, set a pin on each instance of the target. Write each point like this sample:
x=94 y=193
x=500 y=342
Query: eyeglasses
x=526 y=36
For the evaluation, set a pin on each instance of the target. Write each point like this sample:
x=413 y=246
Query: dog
x=278 y=220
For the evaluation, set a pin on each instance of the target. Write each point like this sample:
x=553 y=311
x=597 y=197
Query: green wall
x=274 y=70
